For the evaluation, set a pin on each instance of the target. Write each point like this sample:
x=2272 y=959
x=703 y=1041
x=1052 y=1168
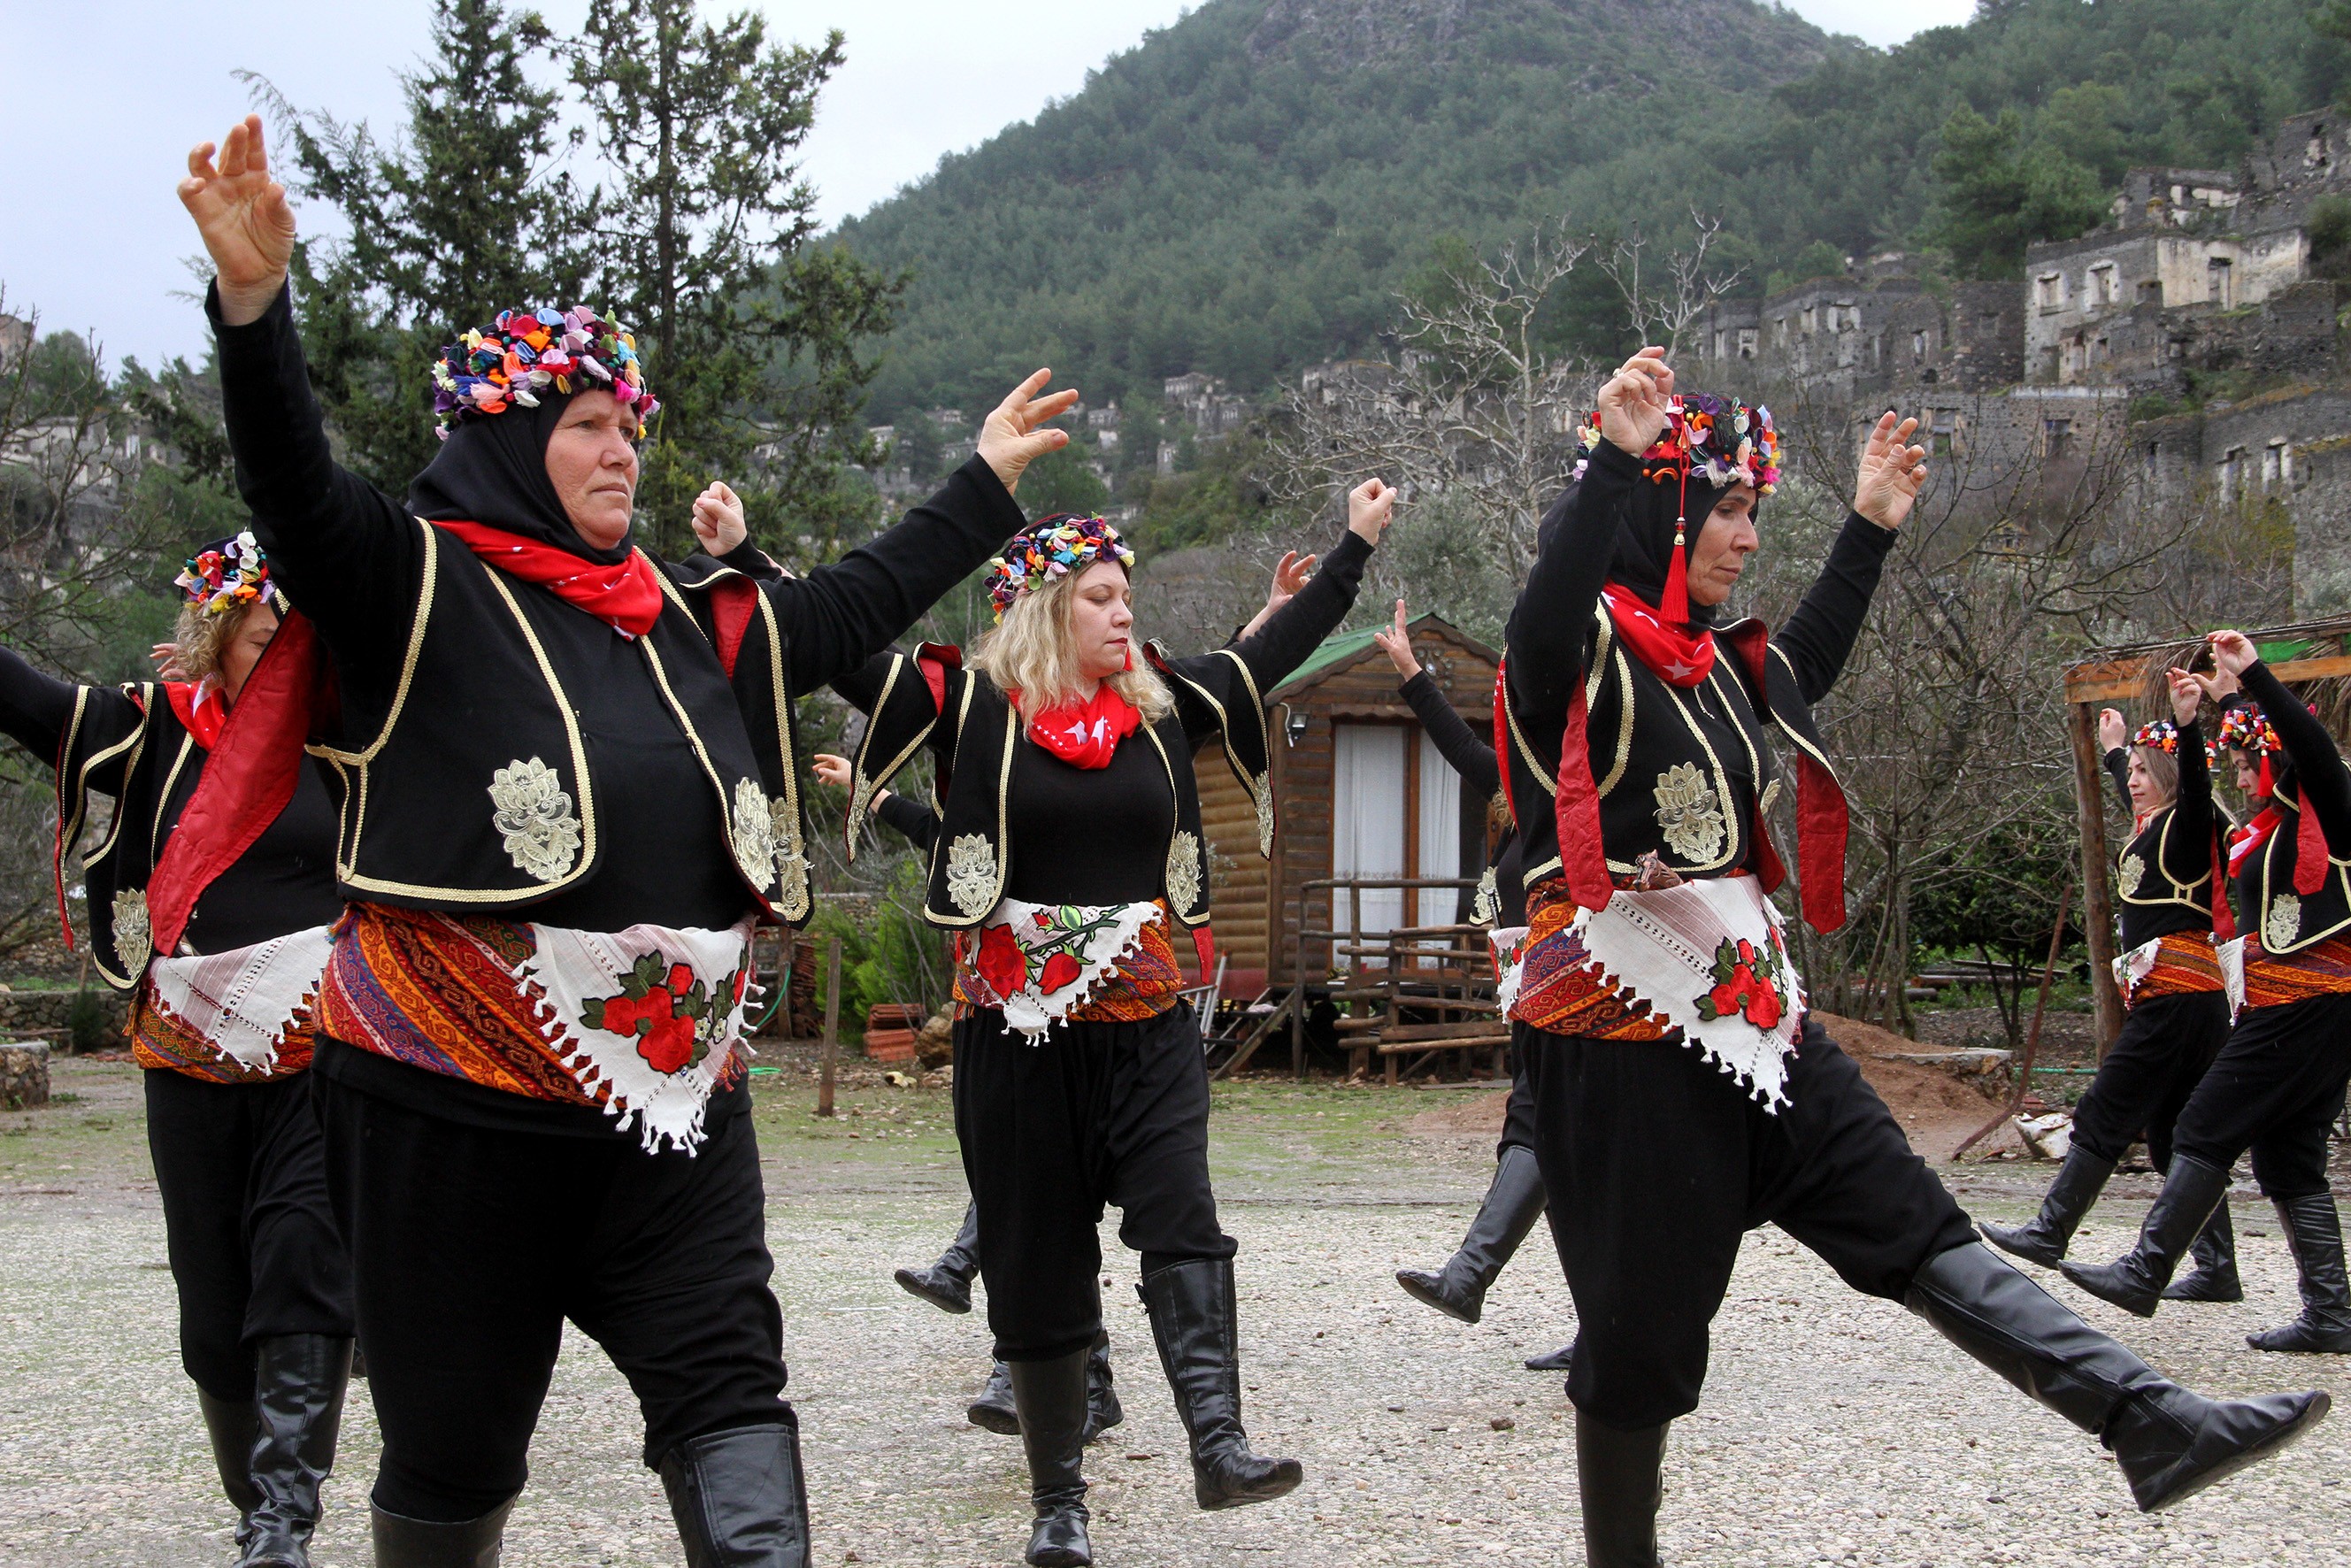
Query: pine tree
x=751 y=333
x=1996 y=194
x=468 y=214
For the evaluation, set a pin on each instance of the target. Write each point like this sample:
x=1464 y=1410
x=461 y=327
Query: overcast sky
x=104 y=97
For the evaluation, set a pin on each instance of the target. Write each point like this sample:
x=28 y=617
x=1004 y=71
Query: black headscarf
x=493 y=470
x=1644 y=534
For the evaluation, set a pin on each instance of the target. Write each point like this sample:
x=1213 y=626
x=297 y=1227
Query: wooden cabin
x=1347 y=755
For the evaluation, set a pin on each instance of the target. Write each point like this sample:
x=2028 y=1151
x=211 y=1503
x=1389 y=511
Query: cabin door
x=1396 y=812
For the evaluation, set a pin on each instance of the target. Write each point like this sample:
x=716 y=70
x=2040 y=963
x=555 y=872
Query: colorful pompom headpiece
x=1718 y=441
x=2163 y=736
x=220 y=577
x=1055 y=546
x=526 y=352
x=2245 y=727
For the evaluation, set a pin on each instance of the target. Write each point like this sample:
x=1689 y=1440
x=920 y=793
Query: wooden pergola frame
x=2120 y=674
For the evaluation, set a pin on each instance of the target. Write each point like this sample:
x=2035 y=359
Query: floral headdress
x=2163 y=736
x=2245 y=727
x=524 y=352
x=1054 y=547
x=1718 y=440
x=222 y=576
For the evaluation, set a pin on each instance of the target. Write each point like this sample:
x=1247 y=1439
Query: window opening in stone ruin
x=2232 y=465
x=2219 y=283
x=1946 y=427
x=2056 y=438
x=1747 y=342
x=2315 y=155
x=2150 y=291
x=1918 y=345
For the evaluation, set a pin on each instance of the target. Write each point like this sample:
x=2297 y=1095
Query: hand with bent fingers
x=834 y=770
x=1015 y=434
x=2233 y=651
x=1371 y=506
x=1891 y=474
x=718 y=519
x=1288 y=578
x=244 y=219
x=2187 y=697
x=1635 y=405
x=1395 y=642
x=2112 y=730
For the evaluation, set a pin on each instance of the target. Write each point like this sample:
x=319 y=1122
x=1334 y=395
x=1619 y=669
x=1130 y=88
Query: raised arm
x=2112 y=730
x=37 y=708
x=1551 y=624
x=2318 y=770
x=1314 y=611
x=1451 y=734
x=1819 y=636
x=2192 y=817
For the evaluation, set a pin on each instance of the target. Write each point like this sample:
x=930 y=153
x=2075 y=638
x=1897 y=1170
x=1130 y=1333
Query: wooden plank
x=2124 y=680
x=1481 y=1029
x=1477 y=1042
x=2097 y=894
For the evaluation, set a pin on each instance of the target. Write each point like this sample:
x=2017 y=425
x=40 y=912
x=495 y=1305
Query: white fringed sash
x=243 y=1002
x=1090 y=939
x=1510 y=962
x=571 y=977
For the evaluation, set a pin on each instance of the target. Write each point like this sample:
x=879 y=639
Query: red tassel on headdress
x=2310 y=856
x=1674 y=603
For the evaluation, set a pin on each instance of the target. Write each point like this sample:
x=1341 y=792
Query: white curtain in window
x=1440 y=834
x=1367 y=823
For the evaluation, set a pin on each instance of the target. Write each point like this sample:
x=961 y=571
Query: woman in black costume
x=1681 y=1096
x=2171 y=978
x=1069 y=859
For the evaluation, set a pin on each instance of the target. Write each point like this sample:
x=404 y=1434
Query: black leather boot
x=2171 y=1443
x=1195 y=1318
x=1052 y=1398
x=1552 y=1360
x=2214 y=1277
x=2134 y=1281
x=991 y=1409
x=1514 y=1203
x=403 y=1542
x=1103 y=1409
x=1620 y=1475
x=299 y=1382
x=2313 y=1232
x=946 y=1285
x=738 y=1497
x=2043 y=1239
x=234 y=1426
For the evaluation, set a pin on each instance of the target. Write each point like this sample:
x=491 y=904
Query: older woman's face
x=243 y=651
x=591 y=460
x=1102 y=617
x=1719 y=554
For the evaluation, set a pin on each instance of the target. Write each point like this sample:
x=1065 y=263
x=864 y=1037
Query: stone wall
x=24 y=1075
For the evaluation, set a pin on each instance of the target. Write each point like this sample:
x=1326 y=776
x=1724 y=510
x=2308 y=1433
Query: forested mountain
x=1243 y=193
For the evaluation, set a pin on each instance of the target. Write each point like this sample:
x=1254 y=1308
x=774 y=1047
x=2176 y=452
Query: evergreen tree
x=1998 y=195
x=464 y=216
x=751 y=334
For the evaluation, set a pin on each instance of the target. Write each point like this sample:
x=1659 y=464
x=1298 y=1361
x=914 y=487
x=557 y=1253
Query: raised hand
x=166 y=659
x=245 y=221
x=2233 y=651
x=1395 y=642
x=1371 y=506
x=1634 y=404
x=1891 y=474
x=1015 y=434
x=829 y=769
x=2112 y=730
x=718 y=519
x=2186 y=696
x=1289 y=577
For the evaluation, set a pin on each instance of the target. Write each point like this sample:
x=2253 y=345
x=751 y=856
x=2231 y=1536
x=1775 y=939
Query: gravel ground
x=1836 y=1429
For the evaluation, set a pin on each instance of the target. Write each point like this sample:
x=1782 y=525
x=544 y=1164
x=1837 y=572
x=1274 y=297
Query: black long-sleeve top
x=283 y=883
x=348 y=557
x=2316 y=779
x=2163 y=876
x=1472 y=757
x=1552 y=636
x=913 y=819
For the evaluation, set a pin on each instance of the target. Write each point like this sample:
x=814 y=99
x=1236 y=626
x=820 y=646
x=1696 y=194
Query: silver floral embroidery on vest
x=753 y=834
x=1184 y=872
x=2131 y=873
x=1690 y=813
x=1261 y=792
x=534 y=815
x=971 y=874
x=2284 y=923
x=1487 y=908
x=792 y=851
x=134 y=940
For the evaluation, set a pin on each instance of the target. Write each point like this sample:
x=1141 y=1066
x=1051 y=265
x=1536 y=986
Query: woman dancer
x=1069 y=857
x=2171 y=982
x=1514 y=1200
x=568 y=790
x=2277 y=1085
x=946 y=1285
x=210 y=898
x=1681 y=1101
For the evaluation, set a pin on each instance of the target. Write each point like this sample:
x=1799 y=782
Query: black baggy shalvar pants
x=2276 y=1088
x=2163 y=1051
x=1094 y=1114
x=1657 y=1163
x=250 y=1237
x=471 y=1244
x=1519 y=1115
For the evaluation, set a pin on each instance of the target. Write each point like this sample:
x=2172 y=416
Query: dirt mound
x=1935 y=1109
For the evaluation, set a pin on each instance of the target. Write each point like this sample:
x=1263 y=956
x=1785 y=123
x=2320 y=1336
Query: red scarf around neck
x=198 y=706
x=1678 y=656
x=626 y=596
x=1086 y=734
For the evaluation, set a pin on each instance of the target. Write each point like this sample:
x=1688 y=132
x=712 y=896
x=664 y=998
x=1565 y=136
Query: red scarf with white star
x=1678 y=656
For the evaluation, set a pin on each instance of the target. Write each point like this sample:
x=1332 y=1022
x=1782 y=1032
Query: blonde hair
x=1028 y=651
x=2162 y=768
x=202 y=633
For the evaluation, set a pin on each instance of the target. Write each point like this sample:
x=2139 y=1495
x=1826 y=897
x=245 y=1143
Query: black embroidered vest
x=2157 y=899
